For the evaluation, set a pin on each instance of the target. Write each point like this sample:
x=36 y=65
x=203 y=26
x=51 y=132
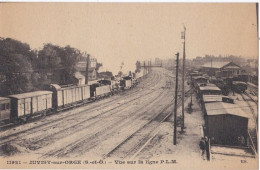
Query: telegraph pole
x=175 y=101
x=147 y=69
x=150 y=66
x=191 y=91
x=183 y=76
x=144 y=68
x=86 y=78
x=211 y=72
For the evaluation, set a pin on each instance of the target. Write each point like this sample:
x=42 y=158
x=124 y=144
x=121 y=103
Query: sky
x=127 y=32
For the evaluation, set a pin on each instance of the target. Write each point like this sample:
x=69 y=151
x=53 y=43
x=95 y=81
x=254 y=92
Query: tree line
x=23 y=69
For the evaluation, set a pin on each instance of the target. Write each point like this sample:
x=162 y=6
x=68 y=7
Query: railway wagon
x=226 y=124
x=26 y=105
x=199 y=80
x=126 y=83
x=208 y=89
x=65 y=96
x=5 y=111
x=114 y=86
x=134 y=82
x=103 y=90
x=214 y=98
x=239 y=86
x=112 y=83
x=192 y=76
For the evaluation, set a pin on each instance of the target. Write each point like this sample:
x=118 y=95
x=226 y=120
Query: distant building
x=79 y=78
x=92 y=72
x=222 y=69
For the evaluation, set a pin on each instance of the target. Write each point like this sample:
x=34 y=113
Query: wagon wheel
x=44 y=114
x=22 y=120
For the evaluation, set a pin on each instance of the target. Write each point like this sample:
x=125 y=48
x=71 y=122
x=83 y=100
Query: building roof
x=232 y=66
x=78 y=75
x=200 y=77
x=216 y=64
x=30 y=94
x=3 y=98
x=221 y=108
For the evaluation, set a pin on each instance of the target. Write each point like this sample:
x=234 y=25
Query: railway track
x=78 y=126
x=250 y=106
x=248 y=95
x=128 y=149
x=253 y=134
x=90 y=140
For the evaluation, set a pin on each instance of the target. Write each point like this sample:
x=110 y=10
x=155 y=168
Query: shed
x=226 y=124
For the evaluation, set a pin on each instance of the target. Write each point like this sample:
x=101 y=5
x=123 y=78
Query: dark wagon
x=226 y=124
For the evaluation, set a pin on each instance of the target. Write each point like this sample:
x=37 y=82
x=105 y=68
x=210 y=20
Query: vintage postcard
x=128 y=85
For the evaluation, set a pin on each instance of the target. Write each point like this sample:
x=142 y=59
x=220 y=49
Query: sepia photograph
x=129 y=85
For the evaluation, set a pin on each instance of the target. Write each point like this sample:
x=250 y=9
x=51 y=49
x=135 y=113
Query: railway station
x=129 y=85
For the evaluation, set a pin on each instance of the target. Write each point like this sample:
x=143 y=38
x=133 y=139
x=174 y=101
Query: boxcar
x=65 y=96
x=112 y=83
x=209 y=89
x=126 y=82
x=199 y=80
x=103 y=90
x=226 y=124
x=27 y=104
x=4 y=109
x=239 y=86
x=114 y=86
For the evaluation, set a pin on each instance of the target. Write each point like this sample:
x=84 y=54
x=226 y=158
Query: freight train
x=21 y=107
x=225 y=122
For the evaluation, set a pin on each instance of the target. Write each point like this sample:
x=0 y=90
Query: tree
x=15 y=66
x=59 y=63
x=98 y=66
x=68 y=61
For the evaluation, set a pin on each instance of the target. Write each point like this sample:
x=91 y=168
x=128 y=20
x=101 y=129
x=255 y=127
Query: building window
x=237 y=71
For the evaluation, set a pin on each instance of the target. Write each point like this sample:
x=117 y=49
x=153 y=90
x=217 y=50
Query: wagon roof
x=3 y=98
x=239 y=82
x=212 y=98
x=209 y=87
x=221 y=108
x=30 y=94
x=200 y=77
